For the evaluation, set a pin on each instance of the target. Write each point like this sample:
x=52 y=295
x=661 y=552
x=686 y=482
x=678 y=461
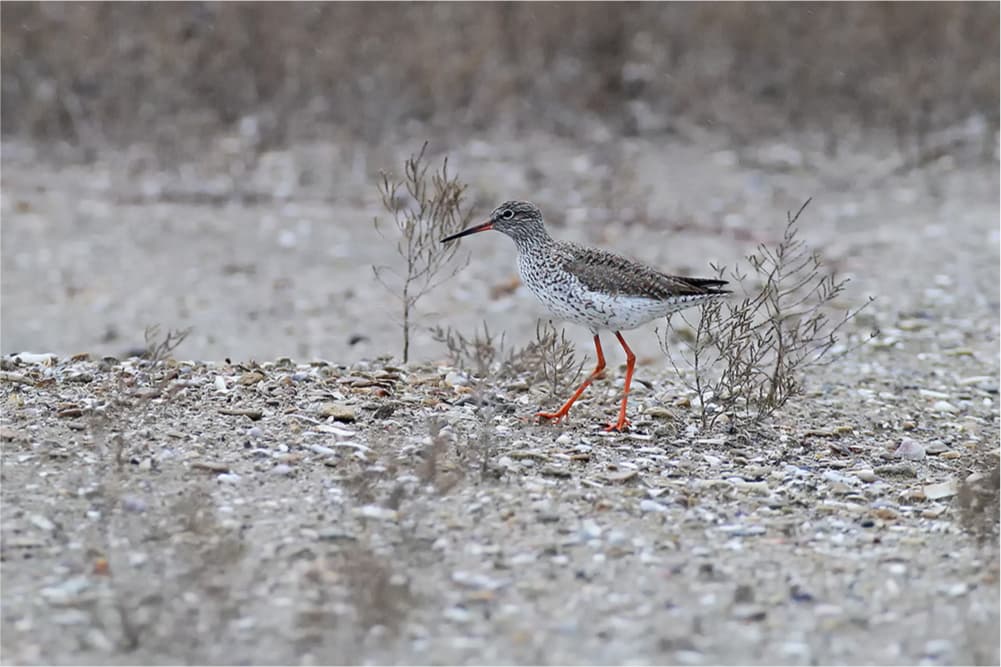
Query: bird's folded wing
x=607 y=272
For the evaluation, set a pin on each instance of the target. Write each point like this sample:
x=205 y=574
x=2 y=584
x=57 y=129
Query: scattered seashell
x=940 y=490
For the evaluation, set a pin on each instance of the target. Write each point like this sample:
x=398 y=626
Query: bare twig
x=424 y=209
x=748 y=357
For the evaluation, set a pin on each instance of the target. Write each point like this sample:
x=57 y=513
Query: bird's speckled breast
x=567 y=299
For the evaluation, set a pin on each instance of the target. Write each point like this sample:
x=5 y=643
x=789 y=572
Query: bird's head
x=518 y=219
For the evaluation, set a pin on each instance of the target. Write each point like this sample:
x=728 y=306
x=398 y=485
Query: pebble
x=910 y=449
x=933 y=512
x=832 y=476
x=866 y=475
x=42 y=523
x=886 y=513
x=458 y=615
x=339 y=411
x=935 y=447
x=648 y=505
x=897 y=469
x=376 y=512
x=228 y=478
x=66 y=592
x=133 y=504
x=938 y=647
x=589 y=530
x=251 y=378
x=658 y=412
x=944 y=406
x=281 y=469
x=456 y=379
x=255 y=432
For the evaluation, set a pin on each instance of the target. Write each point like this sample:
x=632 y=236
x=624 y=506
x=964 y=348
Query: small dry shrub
x=749 y=356
x=159 y=348
x=425 y=208
x=477 y=353
x=549 y=359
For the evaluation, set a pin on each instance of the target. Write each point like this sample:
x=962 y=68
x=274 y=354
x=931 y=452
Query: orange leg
x=622 y=422
x=565 y=408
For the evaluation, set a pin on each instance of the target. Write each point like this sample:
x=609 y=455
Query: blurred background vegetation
x=93 y=75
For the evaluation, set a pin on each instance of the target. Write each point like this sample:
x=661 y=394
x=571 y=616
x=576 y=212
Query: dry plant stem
x=433 y=209
x=749 y=357
x=158 y=349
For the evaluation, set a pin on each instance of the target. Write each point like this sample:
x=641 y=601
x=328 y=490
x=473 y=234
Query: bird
x=595 y=288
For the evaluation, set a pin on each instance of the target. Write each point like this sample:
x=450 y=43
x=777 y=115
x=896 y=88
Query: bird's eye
x=507 y=214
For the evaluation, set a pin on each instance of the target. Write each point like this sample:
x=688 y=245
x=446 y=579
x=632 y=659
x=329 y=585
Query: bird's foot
x=621 y=425
x=553 y=417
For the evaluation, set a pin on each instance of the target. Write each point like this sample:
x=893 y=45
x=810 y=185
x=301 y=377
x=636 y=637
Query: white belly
x=572 y=302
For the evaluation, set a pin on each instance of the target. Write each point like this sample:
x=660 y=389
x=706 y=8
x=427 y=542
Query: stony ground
x=304 y=497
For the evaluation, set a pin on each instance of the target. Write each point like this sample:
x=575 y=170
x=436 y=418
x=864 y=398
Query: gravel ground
x=266 y=506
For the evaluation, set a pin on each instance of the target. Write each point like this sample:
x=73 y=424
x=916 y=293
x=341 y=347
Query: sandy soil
x=144 y=521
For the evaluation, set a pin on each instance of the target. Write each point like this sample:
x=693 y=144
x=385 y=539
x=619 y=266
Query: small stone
x=648 y=505
x=658 y=412
x=251 y=378
x=228 y=478
x=282 y=469
x=910 y=449
x=621 y=476
x=376 y=512
x=886 y=513
x=251 y=413
x=866 y=475
x=935 y=448
x=938 y=647
x=458 y=615
x=42 y=523
x=901 y=469
x=211 y=466
x=589 y=530
x=933 y=512
x=944 y=406
x=339 y=411
x=950 y=455
x=334 y=535
x=133 y=504
x=456 y=379
x=255 y=432
x=749 y=613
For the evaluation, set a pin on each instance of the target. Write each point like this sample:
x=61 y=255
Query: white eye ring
x=507 y=214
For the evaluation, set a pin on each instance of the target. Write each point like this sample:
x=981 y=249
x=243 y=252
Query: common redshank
x=594 y=288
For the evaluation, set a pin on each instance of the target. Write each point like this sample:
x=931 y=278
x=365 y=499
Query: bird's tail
x=707 y=285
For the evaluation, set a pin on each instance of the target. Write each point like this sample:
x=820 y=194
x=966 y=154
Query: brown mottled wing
x=607 y=272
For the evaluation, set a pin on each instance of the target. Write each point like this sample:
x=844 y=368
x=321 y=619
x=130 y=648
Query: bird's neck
x=529 y=244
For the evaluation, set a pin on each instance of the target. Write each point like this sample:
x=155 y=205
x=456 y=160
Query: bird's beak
x=486 y=226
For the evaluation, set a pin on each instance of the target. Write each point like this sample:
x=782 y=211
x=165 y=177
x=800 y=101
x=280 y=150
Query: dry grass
x=169 y=73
